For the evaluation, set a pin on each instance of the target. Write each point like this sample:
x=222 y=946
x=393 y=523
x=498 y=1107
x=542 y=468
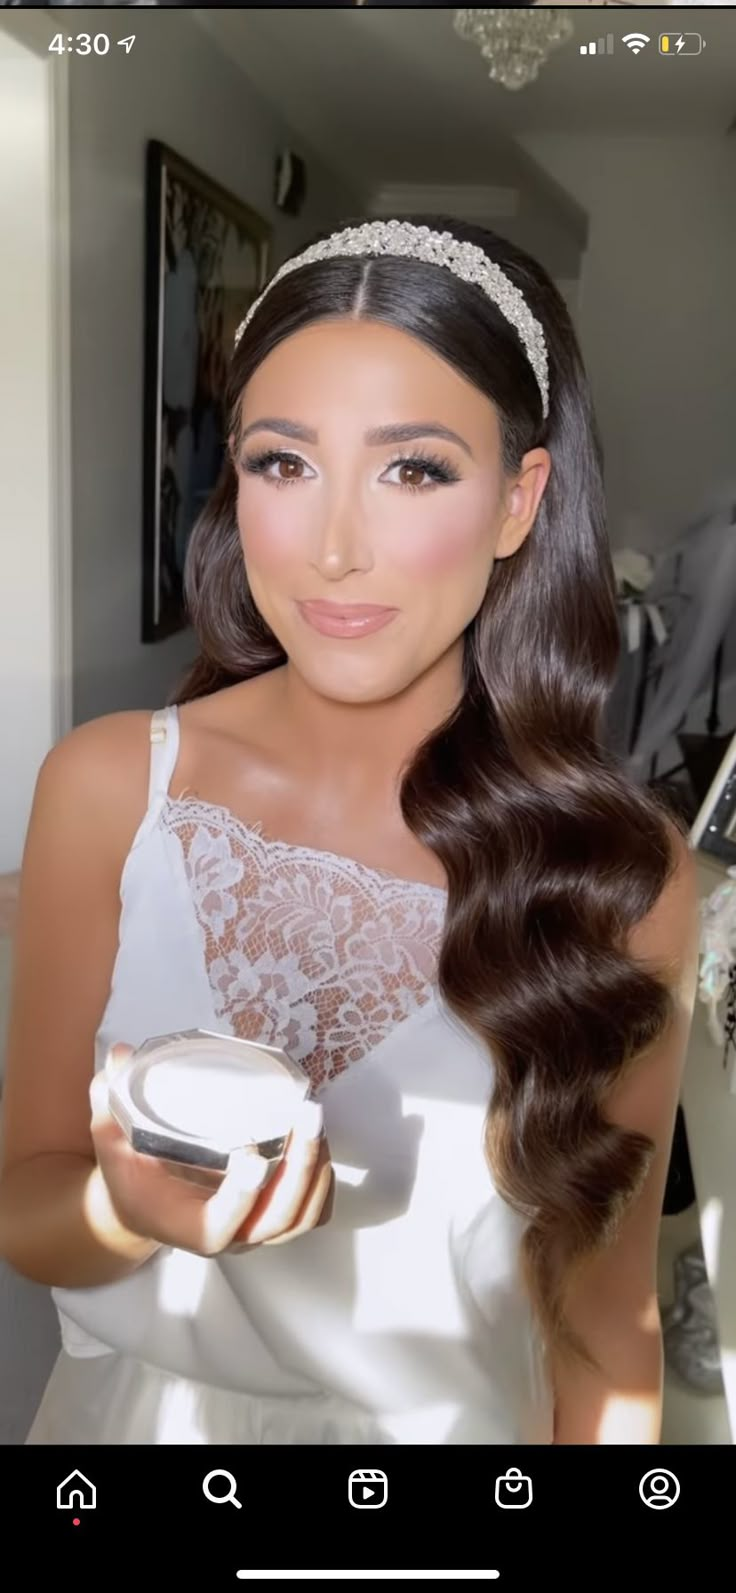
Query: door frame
x=35 y=30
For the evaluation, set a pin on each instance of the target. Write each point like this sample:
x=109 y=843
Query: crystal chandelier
x=514 y=43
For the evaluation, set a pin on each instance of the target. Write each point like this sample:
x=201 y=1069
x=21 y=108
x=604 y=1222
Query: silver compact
x=195 y=1096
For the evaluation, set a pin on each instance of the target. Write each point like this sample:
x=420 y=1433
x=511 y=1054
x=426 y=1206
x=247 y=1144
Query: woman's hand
x=208 y=1214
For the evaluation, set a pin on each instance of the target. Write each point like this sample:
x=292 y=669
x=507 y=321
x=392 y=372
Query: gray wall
x=655 y=319
x=655 y=316
x=182 y=90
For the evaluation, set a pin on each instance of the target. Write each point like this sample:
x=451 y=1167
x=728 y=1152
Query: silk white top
x=407 y=1308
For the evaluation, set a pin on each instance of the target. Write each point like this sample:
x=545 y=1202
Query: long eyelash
x=257 y=464
x=440 y=470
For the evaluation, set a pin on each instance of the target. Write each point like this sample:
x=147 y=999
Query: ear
x=523 y=498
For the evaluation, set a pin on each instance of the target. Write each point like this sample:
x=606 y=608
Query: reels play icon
x=367 y=1490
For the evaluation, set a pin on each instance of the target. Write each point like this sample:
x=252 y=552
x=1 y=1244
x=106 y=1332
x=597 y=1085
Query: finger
x=158 y=1205
x=115 y=1153
x=99 y=1088
x=99 y=1102
x=105 y=1128
x=281 y=1201
x=309 y=1124
x=317 y=1208
x=146 y=1190
x=106 y=1131
x=103 y=1125
x=292 y=1181
x=224 y=1213
x=116 y=1057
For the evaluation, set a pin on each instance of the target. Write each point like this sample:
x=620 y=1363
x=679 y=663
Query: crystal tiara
x=465 y=260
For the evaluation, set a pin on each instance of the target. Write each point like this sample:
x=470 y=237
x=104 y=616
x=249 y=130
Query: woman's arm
x=56 y=1221
x=613 y=1305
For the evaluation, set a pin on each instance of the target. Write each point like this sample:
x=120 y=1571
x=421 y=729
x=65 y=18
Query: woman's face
x=330 y=515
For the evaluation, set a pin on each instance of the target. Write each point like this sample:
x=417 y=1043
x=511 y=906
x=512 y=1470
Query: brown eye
x=409 y=470
x=422 y=473
x=289 y=467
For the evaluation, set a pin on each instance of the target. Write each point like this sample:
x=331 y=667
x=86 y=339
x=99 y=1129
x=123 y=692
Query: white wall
x=27 y=701
x=655 y=316
x=177 y=87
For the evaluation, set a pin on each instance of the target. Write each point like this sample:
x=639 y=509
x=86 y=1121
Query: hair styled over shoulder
x=552 y=853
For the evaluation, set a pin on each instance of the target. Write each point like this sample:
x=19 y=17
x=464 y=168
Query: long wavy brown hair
x=551 y=852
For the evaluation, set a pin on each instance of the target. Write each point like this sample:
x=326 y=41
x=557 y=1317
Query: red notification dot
x=75 y=1522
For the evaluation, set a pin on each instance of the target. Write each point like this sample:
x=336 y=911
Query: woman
x=382 y=831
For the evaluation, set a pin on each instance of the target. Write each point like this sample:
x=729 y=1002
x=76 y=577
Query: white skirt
x=114 y=1399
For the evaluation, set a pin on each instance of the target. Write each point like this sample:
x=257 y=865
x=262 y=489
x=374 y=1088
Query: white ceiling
x=398 y=94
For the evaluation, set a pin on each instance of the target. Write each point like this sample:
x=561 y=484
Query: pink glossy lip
x=345 y=610
x=345 y=619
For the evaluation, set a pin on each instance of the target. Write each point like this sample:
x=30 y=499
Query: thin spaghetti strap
x=164 y=752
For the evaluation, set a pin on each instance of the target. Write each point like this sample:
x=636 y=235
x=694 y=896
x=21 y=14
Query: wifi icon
x=636 y=41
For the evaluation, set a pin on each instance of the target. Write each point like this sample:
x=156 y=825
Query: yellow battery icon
x=681 y=43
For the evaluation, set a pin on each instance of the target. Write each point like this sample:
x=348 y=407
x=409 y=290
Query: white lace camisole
x=405 y=1313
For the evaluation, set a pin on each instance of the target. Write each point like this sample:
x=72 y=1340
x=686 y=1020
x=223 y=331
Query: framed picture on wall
x=207 y=258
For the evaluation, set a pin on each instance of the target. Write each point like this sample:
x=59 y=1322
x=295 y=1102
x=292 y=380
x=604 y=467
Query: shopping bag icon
x=513 y=1492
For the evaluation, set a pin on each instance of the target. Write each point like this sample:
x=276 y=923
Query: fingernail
x=98 y=1098
x=252 y=1170
x=98 y=1086
x=116 y=1056
x=310 y=1121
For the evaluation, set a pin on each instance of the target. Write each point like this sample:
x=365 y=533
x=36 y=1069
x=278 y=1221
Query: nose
x=340 y=542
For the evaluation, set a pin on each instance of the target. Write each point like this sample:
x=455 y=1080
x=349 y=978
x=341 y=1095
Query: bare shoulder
x=102 y=766
x=101 y=749
x=101 y=769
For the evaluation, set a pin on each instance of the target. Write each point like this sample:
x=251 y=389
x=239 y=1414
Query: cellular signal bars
x=603 y=46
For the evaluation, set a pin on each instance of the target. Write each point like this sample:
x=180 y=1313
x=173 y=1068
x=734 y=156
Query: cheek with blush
x=271 y=540
x=261 y=533
x=445 y=540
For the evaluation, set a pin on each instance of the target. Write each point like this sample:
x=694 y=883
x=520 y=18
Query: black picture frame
x=207 y=259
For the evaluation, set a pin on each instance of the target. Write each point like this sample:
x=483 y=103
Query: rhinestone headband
x=465 y=260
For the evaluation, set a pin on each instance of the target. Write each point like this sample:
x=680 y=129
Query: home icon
x=76 y=1492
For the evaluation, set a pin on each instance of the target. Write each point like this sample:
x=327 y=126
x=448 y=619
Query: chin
x=359 y=683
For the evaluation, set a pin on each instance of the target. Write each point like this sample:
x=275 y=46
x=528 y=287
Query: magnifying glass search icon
x=221 y=1498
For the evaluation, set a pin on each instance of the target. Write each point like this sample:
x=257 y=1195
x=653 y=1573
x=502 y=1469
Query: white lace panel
x=315 y=953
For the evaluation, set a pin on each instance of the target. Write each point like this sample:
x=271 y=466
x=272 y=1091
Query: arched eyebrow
x=377 y=437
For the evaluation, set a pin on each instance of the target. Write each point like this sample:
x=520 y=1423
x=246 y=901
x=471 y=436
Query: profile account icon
x=659 y=1488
